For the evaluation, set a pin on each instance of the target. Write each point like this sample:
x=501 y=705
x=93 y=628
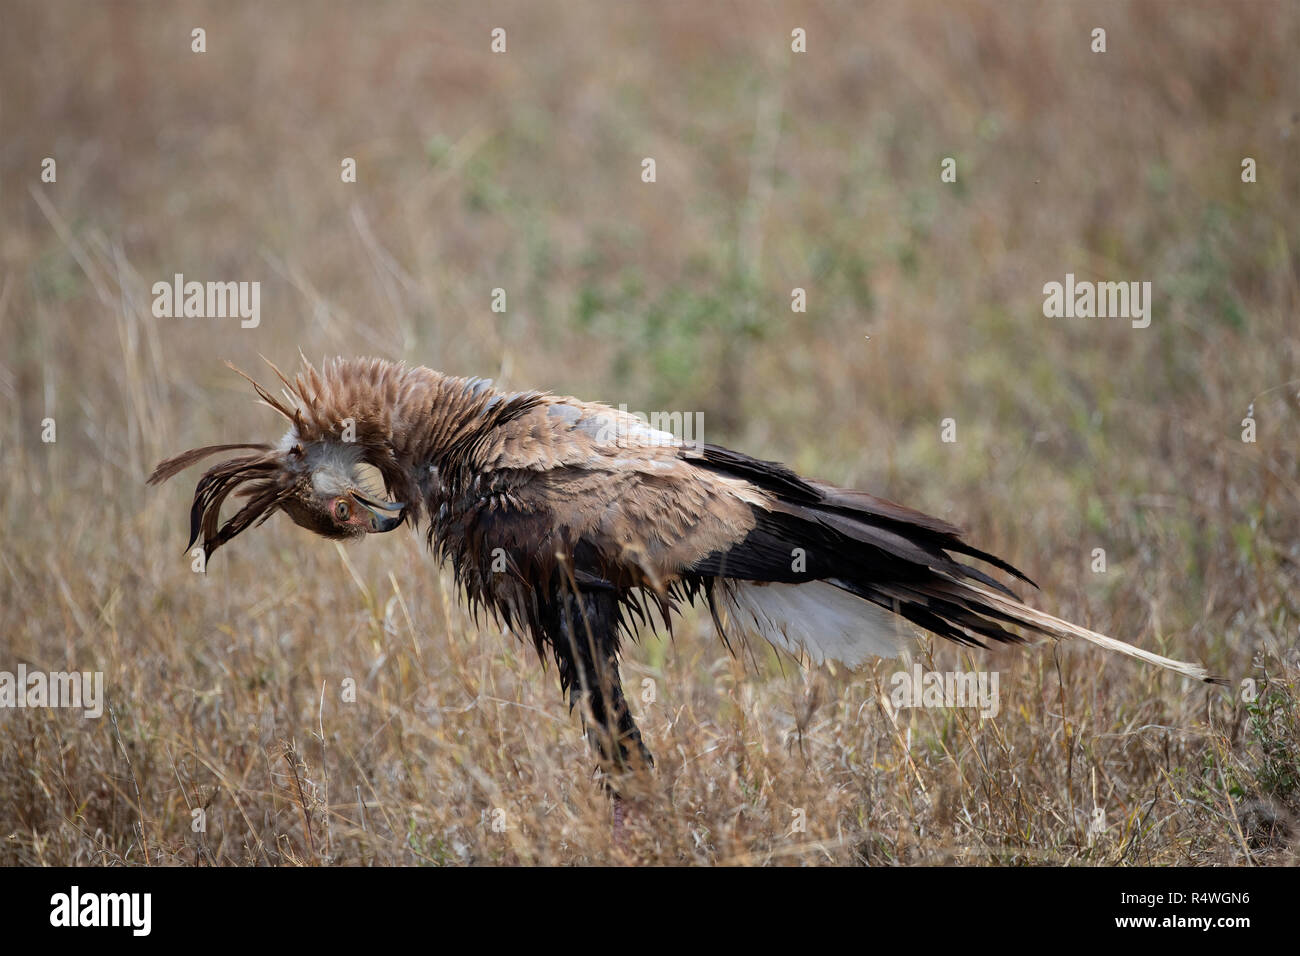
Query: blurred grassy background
x=775 y=170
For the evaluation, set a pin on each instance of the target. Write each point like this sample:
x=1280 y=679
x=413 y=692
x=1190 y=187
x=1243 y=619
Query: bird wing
x=612 y=487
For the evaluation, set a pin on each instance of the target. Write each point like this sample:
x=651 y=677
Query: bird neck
x=436 y=413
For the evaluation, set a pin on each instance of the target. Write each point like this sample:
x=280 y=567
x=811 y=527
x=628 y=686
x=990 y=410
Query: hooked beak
x=378 y=520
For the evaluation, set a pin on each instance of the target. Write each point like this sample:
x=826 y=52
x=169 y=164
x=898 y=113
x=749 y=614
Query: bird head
x=319 y=480
x=320 y=485
x=329 y=494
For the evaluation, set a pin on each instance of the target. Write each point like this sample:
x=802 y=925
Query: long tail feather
x=1045 y=623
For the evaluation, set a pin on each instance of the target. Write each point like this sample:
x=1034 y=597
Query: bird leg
x=585 y=644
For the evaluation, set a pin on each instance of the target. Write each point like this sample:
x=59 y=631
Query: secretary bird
x=573 y=521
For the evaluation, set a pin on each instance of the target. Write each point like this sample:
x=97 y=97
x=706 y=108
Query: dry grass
x=522 y=171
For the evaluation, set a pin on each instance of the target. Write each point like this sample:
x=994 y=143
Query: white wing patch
x=817 y=619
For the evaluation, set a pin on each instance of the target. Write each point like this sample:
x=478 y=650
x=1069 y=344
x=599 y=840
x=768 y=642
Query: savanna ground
x=775 y=170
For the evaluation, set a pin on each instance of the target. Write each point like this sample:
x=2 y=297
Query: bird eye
x=341 y=510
